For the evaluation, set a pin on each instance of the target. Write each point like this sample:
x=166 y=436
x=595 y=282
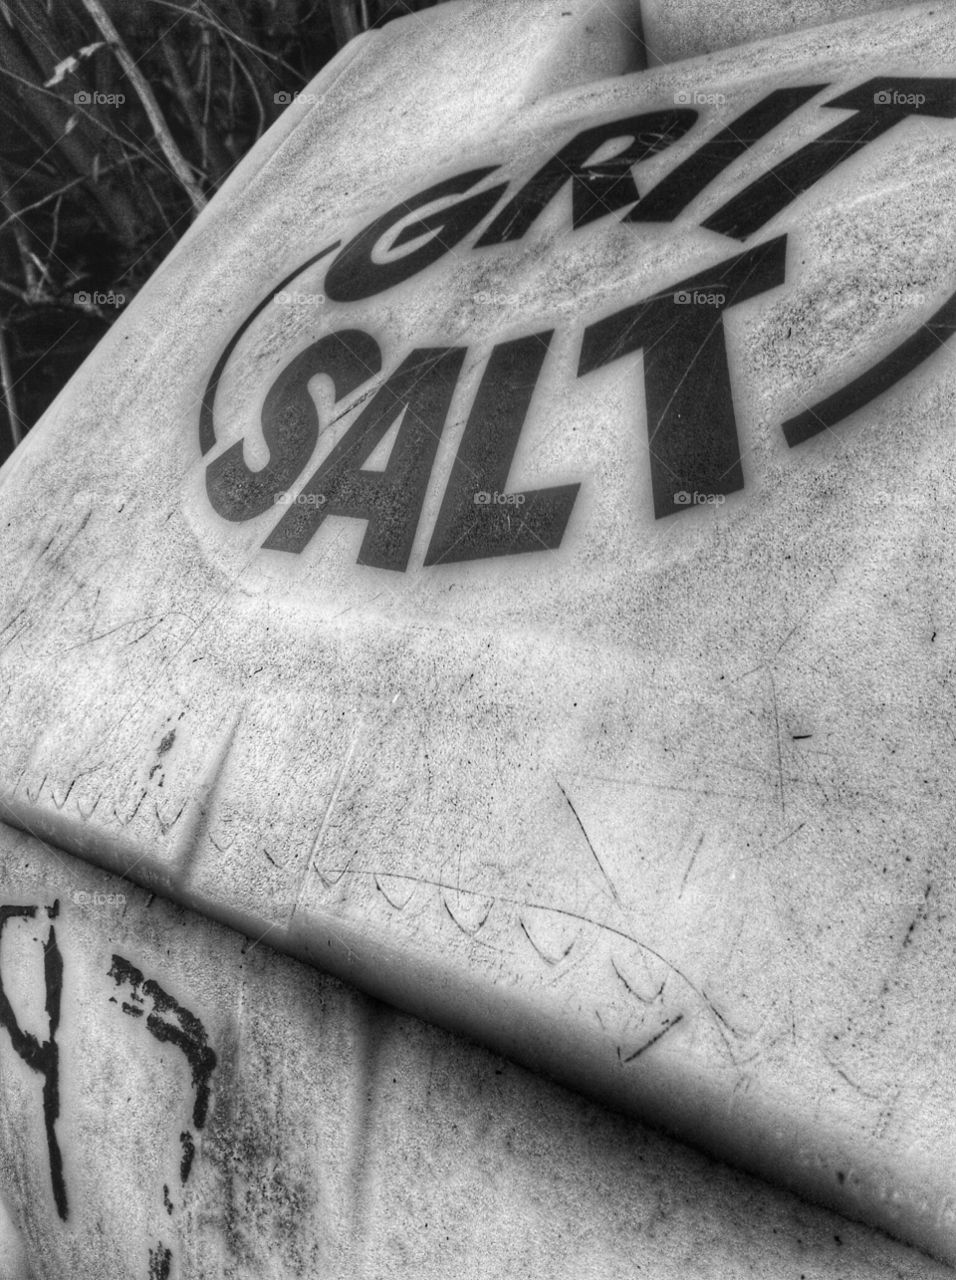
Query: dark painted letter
x=471 y=523
x=416 y=396
x=290 y=424
x=354 y=275
x=596 y=188
x=691 y=425
x=42 y=1058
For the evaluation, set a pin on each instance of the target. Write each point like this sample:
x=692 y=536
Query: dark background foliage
x=119 y=120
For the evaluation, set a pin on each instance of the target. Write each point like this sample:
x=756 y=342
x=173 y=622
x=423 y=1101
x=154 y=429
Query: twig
x=14 y=292
x=14 y=219
x=165 y=139
x=254 y=68
x=53 y=195
x=236 y=61
x=209 y=16
x=212 y=157
x=344 y=22
x=205 y=74
x=9 y=395
x=49 y=111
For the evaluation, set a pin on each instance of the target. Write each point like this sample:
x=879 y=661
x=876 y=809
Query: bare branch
x=14 y=219
x=9 y=395
x=212 y=154
x=163 y=136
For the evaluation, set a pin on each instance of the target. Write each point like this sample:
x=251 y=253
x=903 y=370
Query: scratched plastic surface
x=214 y=1109
x=677 y=29
x=504 y=555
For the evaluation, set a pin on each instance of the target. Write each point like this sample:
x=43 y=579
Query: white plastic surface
x=340 y=1139
x=652 y=791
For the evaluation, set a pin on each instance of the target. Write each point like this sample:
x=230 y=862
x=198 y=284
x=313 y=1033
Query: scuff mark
x=788 y=836
x=630 y=990
x=609 y=881
x=197 y=807
x=84 y=813
x=59 y=526
x=470 y=933
x=717 y=1014
x=18 y=614
x=776 y=721
x=152 y=627
x=94 y=639
x=551 y=961
x=690 y=866
x=523 y=904
x=126 y=821
x=61 y=551
x=648 y=1044
x=326 y=819
x=18 y=633
x=919 y=917
x=354 y=404
x=874 y=1097
x=36 y=795
x=399 y=906
x=886 y=1115
x=164 y=826
x=60 y=803
x=680 y=788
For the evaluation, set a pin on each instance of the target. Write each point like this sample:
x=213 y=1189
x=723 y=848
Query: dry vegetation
x=119 y=120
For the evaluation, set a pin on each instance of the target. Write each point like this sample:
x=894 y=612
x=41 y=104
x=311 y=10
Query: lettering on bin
x=142 y=998
x=692 y=442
